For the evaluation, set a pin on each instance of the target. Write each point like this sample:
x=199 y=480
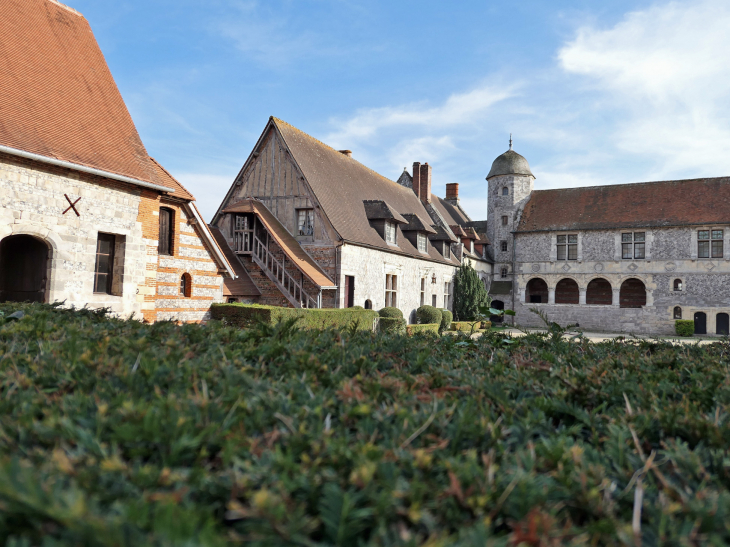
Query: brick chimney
x=425 y=193
x=452 y=193
x=417 y=177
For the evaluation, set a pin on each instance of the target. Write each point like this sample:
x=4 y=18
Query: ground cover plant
x=117 y=433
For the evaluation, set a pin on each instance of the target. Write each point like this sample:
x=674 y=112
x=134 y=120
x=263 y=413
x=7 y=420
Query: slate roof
x=636 y=205
x=58 y=98
x=510 y=163
x=451 y=214
x=242 y=285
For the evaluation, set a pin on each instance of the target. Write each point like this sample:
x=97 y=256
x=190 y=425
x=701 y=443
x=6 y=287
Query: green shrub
x=684 y=327
x=424 y=327
x=446 y=318
x=391 y=312
x=247 y=315
x=428 y=314
x=392 y=324
x=469 y=294
x=466 y=326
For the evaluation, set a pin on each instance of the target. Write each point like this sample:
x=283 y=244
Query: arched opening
x=599 y=293
x=537 y=291
x=497 y=305
x=677 y=285
x=23 y=269
x=677 y=312
x=722 y=324
x=186 y=285
x=632 y=294
x=700 y=322
x=368 y=305
x=566 y=292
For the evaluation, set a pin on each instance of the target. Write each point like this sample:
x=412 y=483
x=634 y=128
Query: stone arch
x=24 y=270
x=536 y=291
x=567 y=291
x=599 y=292
x=54 y=243
x=632 y=293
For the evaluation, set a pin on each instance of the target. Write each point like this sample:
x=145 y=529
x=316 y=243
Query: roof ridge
x=69 y=8
x=630 y=184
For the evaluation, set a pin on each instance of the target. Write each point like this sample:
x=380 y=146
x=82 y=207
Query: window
x=391 y=289
x=232 y=300
x=423 y=291
x=678 y=285
x=633 y=245
x=677 y=312
x=305 y=222
x=505 y=220
x=186 y=285
x=104 y=268
x=422 y=242
x=368 y=305
x=167 y=217
x=709 y=243
x=447 y=249
x=568 y=247
x=503 y=246
x=390 y=233
x=471 y=245
x=447 y=290
x=433 y=300
x=504 y=272
x=505 y=191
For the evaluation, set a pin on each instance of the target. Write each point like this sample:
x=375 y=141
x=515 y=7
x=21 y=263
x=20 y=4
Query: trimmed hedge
x=684 y=327
x=393 y=313
x=446 y=318
x=466 y=326
x=392 y=325
x=423 y=327
x=247 y=315
x=425 y=315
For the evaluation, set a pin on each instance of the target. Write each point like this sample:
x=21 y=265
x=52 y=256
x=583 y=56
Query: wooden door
x=723 y=324
x=349 y=291
x=23 y=267
x=700 y=323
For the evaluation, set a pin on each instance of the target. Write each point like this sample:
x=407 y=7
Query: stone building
x=87 y=217
x=306 y=225
x=628 y=258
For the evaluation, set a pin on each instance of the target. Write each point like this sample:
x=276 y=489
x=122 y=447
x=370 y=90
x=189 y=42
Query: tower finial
x=510 y=141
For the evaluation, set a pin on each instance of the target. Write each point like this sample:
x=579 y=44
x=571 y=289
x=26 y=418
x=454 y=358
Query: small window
x=368 y=305
x=678 y=285
x=167 y=231
x=709 y=243
x=305 y=222
x=471 y=246
x=104 y=268
x=447 y=249
x=567 y=247
x=677 y=312
x=633 y=245
x=503 y=246
x=505 y=191
x=447 y=293
x=391 y=291
x=422 y=242
x=186 y=285
x=390 y=233
x=504 y=273
x=505 y=220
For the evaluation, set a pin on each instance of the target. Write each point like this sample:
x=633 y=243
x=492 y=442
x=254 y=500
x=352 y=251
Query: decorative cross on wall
x=72 y=205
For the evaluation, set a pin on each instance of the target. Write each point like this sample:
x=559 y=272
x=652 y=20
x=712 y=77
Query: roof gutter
x=211 y=240
x=82 y=168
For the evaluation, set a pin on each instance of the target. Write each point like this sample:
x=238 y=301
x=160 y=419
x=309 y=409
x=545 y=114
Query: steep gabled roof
x=58 y=99
x=637 y=205
x=452 y=215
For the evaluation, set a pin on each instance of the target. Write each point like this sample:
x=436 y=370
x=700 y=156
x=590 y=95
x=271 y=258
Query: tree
x=469 y=294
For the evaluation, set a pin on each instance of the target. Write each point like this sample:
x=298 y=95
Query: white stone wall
x=32 y=203
x=370 y=266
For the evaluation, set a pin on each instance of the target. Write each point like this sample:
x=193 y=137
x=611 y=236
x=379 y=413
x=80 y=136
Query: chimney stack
x=347 y=153
x=425 y=193
x=417 y=178
x=452 y=193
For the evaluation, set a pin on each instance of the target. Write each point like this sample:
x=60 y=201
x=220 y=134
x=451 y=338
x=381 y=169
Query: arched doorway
x=723 y=324
x=537 y=291
x=497 y=305
x=23 y=269
x=632 y=294
x=700 y=322
x=566 y=292
x=599 y=293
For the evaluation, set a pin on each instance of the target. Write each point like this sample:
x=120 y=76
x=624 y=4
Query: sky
x=592 y=92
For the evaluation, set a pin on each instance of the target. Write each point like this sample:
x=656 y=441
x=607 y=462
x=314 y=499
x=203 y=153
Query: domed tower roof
x=510 y=163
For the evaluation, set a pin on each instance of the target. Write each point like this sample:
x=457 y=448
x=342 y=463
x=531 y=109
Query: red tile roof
x=58 y=98
x=166 y=179
x=647 y=204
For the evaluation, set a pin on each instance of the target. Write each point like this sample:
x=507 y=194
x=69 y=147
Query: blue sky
x=594 y=92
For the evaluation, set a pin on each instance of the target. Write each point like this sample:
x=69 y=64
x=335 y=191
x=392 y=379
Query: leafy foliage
x=446 y=318
x=247 y=315
x=684 y=327
x=469 y=294
x=119 y=433
x=428 y=314
x=396 y=325
x=393 y=313
x=427 y=327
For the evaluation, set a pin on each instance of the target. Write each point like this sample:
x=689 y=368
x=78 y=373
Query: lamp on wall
x=433 y=279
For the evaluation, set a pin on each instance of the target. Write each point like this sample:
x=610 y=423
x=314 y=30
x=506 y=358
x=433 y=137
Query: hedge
x=684 y=327
x=446 y=318
x=392 y=325
x=424 y=327
x=466 y=326
x=247 y=315
x=119 y=433
x=394 y=313
x=428 y=314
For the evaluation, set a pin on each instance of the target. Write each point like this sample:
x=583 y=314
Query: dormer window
x=447 y=249
x=422 y=242
x=390 y=233
x=471 y=245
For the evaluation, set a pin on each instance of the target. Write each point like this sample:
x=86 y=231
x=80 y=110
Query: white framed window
x=709 y=243
x=423 y=291
x=391 y=291
x=567 y=247
x=633 y=245
x=447 y=294
x=471 y=245
x=422 y=242
x=390 y=233
x=305 y=222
